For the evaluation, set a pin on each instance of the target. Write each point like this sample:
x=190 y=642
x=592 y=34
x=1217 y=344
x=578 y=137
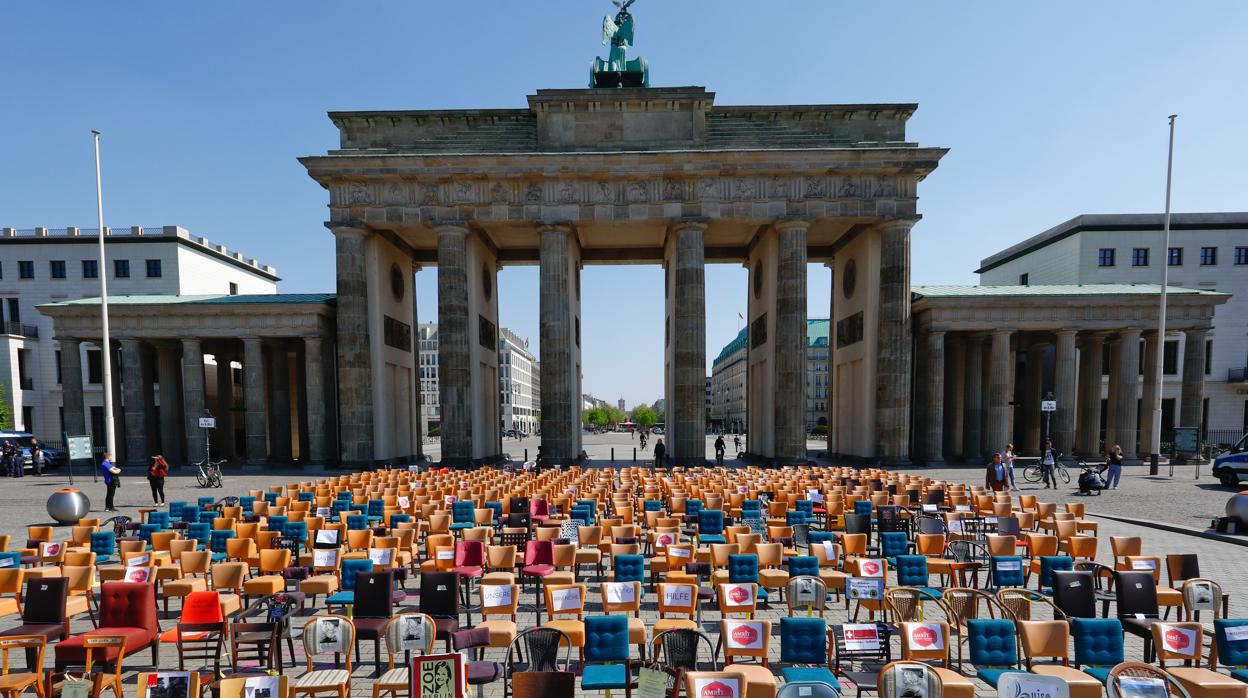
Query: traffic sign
x=207 y=422
x=1048 y=405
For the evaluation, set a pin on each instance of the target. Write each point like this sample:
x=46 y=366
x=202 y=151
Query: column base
x=894 y=461
x=934 y=462
x=688 y=462
x=254 y=465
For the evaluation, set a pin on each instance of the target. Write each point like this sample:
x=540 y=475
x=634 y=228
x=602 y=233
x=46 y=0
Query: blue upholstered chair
x=893 y=544
x=216 y=543
x=912 y=572
x=606 y=663
x=462 y=515
x=103 y=544
x=629 y=568
x=1050 y=564
x=743 y=569
x=1231 y=653
x=802 y=566
x=1098 y=645
x=993 y=646
x=804 y=641
x=1006 y=571
x=710 y=527
x=351 y=569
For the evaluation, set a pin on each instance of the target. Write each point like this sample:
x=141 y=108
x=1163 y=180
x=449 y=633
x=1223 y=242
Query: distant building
x=620 y=404
x=726 y=386
x=430 y=406
x=516 y=365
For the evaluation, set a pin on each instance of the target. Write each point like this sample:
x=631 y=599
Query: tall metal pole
x=106 y=356
x=1155 y=437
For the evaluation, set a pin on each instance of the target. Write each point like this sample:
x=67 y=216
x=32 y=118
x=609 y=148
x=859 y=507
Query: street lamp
x=110 y=437
x=1155 y=438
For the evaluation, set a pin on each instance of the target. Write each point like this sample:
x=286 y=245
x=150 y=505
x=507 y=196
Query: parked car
x=1229 y=465
x=52 y=457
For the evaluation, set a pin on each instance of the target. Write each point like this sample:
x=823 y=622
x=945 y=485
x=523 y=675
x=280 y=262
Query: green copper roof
x=816 y=336
x=1055 y=290
x=261 y=298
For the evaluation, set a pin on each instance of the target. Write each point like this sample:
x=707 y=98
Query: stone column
x=1065 y=389
x=1148 y=395
x=314 y=385
x=1088 y=442
x=75 y=416
x=1033 y=393
x=1111 y=395
x=223 y=435
x=418 y=431
x=687 y=413
x=560 y=416
x=193 y=397
x=934 y=410
x=1192 y=396
x=253 y=400
x=892 y=383
x=831 y=411
x=279 y=404
x=1127 y=416
x=132 y=391
x=974 y=399
x=119 y=410
x=172 y=438
x=790 y=348
x=1001 y=372
x=955 y=366
x=454 y=369
x=355 y=376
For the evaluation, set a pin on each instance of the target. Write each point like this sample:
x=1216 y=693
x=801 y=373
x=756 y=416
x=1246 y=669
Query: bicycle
x=209 y=473
x=1033 y=473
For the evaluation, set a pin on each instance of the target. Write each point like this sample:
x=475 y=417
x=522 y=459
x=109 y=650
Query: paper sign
x=870 y=568
x=381 y=556
x=737 y=594
x=829 y=550
x=565 y=599
x=726 y=687
x=744 y=634
x=1180 y=640
x=1235 y=633
x=140 y=575
x=865 y=588
x=861 y=636
x=651 y=683
x=930 y=508
x=262 y=687
x=168 y=684
x=7 y=562
x=1009 y=565
x=806 y=591
x=680 y=552
x=445 y=554
x=330 y=636
x=450 y=499
x=327 y=536
x=743 y=489
x=1148 y=565
x=815 y=496
x=495 y=595
x=323 y=512
x=926 y=636
x=404 y=502
x=324 y=558
x=991 y=520
x=50 y=549
x=663 y=540
x=412 y=634
x=138 y=560
x=955 y=526
x=1142 y=687
x=962 y=507
x=620 y=592
x=678 y=595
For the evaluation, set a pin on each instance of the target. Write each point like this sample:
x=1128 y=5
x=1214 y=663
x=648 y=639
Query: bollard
x=613 y=454
x=634 y=454
x=526 y=455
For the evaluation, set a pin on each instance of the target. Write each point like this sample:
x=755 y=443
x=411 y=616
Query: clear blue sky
x=1050 y=110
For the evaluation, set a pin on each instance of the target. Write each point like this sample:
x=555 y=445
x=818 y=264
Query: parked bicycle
x=209 y=473
x=1033 y=474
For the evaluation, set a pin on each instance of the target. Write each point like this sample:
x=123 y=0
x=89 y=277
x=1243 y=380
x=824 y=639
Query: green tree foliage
x=644 y=416
x=6 y=412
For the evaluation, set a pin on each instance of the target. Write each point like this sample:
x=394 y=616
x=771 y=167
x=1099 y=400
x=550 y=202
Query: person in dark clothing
x=112 y=480
x=156 y=473
x=720 y=447
x=1048 y=463
x=660 y=452
x=995 y=476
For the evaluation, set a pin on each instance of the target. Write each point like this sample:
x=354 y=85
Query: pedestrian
x=19 y=461
x=1008 y=460
x=1048 y=462
x=720 y=447
x=995 y=478
x=1114 y=472
x=112 y=480
x=156 y=473
x=659 y=452
x=6 y=459
x=37 y=458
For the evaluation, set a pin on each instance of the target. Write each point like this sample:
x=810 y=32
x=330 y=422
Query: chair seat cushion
x=502 y=632
x=323 y=677
x=953 y=684
x=445 y=626
x=395 y=677
x=773 y=579
x=264 y=586
x=319 y=585
x=1100 y=673
x=469 y=571
x=1241 y=674
x=171 y=636
x=931 y=590
x=183 y=586
x=483 y=672
x=52 y=632
x=992 y=676
x=574 y=629
x=599 y=677
x=498 y=578
x=1081 y=685
x=342 y=598
x=798 y=673
x=1199 y=681
x=537 y=570
x=672 y=624
x=759 y=680
x=707 y=540
x=71 y=651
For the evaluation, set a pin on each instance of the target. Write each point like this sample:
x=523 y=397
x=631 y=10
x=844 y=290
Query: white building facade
x=726 y=387
x=430 y=408
x=516 y=369
x=49 y=265
x=1207 y=251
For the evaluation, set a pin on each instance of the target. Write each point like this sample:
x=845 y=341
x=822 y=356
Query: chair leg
x=377 y=654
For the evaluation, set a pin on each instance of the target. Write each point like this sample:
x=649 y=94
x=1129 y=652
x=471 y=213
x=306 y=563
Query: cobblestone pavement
x=21 y=503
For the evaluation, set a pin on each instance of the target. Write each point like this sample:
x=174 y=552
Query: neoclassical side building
x=623 y=176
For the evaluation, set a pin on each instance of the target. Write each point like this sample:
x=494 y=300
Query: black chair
x=519 y=520
x=200 y=642
x=1100 y=574
x=677 y=650
x=1075 y=593
x=519 y=505
x=1136 y=595
x=43 y=613
x=870 y=661
x=858 y=523
x=479 y=671
x=929 y=524
x=374 y=606
x=542 y=647
x=888 y=519
x=439 y=599
x=1008 y=526
x=936 y=497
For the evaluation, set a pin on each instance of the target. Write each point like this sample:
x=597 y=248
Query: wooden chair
x=13 y=684
x=406 y=633
x=316 y=636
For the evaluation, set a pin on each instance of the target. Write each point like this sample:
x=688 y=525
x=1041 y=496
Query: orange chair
x=1050 y=639
x=1183 y=642
x=750 y=639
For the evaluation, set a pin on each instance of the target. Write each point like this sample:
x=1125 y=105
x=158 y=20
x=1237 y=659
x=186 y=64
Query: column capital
x=1066 y=332
x=896 y=224
x=347 y=231
x=451 y=228
x=193 y=342
x=685 y=223
x=790 y=223
x=563 y=227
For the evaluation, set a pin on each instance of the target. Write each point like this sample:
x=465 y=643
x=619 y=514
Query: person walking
x=156 y=474
x=736 y=443
x=720 y=447
x=37 y=458
x=660 y=451
x=1008 y=460
x=1048 y=461
x=1114 y=472
x=6 y=459
x=112 y=480
x=17 y=460
x=995 y=478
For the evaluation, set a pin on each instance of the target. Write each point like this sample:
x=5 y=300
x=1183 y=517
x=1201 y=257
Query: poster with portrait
x=330 y=635
x=1142 y=687
x=911 y=682
x=437 y=676
x=1201 y=595
x=168 y=684
x=413 y=635
x=262 y=687
x=806 y=590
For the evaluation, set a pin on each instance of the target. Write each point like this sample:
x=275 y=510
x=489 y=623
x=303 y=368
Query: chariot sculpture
x=618 y=70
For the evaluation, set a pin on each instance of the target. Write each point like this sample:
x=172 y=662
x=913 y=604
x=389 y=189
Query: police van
x=1231 y=465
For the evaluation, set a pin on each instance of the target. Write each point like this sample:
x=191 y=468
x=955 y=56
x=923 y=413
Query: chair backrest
x=1098 y=641
x=439 y=594
x=1136 y=593
x=410 y=632
x=802 y=565
x=1073 y=593
x=1227 y=651
x=621 y=596
x=993 y=643
x=714 y=683
x=710 y=522
x=1044 y=639
x=1148 y=680
x=914 y=678
x=1011 y=685
x=103 y=542
x=1202 y=595
x=374 y=597
x=678 y=598
x=629 y=568
x=893 y=543
x=803 y=640
x=912 y=570
x=352 y=568
x=202 y=607
x=926 y=641
x=328 y=634
x=541 y=646
x=128 y=605
x=1053 y=563
x=743 y=568
x=1178 y=641
x=44 y=600
x=606 y=638
x=1007 y=571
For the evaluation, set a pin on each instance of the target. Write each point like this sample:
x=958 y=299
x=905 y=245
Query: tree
x=615 y=415
x=644 y=416
x=6 y=413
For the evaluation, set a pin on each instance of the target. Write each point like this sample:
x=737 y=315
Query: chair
x=200 y=631
x=912 y=572
x=1136 y=595
x=1042 y=639
x=43 y=613
x=806 y=592
x=1019 y=603
x=1183 y=642
x=808 y=689
x=1098 y=645
x=710 y=527
x=677 y=598
x=910 y=673
x=478 y=671
x=128 y=610
x=1140 y=673
x=868 y=645
x=352 y=568
x=406 y=633
x=993 y=645
x=373 y=606
x=928 y=642
x=543 y=684
x=1006 y=571
x=751 y=639
x=106 y=646
x=502 y=601
x=1073 y=593
x=625 y=597
x=13 y=684
x=1200 y=595
x=804 y=641
x=606 y=663
x=328 y=634
x=439 y=599
x=541 y=647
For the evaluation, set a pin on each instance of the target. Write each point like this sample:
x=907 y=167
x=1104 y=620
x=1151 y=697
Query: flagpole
x=110 y=443
x=1155 y=438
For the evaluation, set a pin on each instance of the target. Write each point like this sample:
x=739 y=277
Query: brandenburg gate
x=623 y=175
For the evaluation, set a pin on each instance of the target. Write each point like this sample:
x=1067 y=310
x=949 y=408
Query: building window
x=1139 y=257
x=1022 y=281
x=234 y=290
x=1208 y=356
x=26 y=270
x=1105 y=257
x=1175 y=257
x=56 y=268
x=58 y=366
x=1241 y=256
x=153 y=268
x=90 y=269
x=121 y=268
x=28 y=418
x=1208 y=256
x=1170 y=358
x=95 y=369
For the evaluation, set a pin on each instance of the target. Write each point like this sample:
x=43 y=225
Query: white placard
x=806 y=591
x=324 y=558
x=736 y=594
x=207 y=422
x=1009 y=565
x=678 y=595
x=495 y=595
x=925 y=636
x=7 y=562
x=680 y=552
x=565 y=599
x=744 y=634
x=1235 y=633
x=404 y=502
x=955 y=526
x=1180 y=640
x=324 y=512
x=870 y=568
x=262 y=687
x=50 y=549
x=930 y=508
x=865 y=588
x=861 y=636
x=1146 y=565
x=445 y=554
x=829 y=550
x=620 y=592
x=139 y=574
x=381 y=556
x=139 y=560
x=726 y=687
x=327 y=536
x=815 y=496
x=1048 y=405
x=330 y=636
x=450 y=499
x=663 y=540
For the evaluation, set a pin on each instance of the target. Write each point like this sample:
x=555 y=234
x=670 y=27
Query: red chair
x=539 y=563
x=469 y=565
x=539 y=510
x=127 y=609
